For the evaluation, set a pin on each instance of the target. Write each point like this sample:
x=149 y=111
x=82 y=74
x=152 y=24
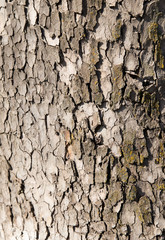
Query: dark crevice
x=48 y=233
x=75 y=171
x=84 y=8
x=32 y=210
x=62 y=61
x=139 y=193
x=108 y=173
x=46 y=122
x=22 y=188
x=9 y=170
x=11 y=215
x=37 y=231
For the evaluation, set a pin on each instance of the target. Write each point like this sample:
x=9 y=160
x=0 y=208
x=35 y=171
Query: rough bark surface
x=82 y=114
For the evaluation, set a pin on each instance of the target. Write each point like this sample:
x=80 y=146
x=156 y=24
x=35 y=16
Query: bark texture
x=82 y=114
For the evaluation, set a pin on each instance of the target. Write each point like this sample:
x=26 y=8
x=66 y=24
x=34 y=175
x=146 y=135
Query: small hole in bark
x=53 y=36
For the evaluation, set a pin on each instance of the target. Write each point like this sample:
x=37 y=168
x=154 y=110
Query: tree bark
x=82 y=114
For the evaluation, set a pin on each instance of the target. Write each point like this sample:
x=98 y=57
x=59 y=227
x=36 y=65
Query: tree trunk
x=82 y=137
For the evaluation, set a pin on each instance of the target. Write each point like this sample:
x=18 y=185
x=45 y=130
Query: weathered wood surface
x=82 y=114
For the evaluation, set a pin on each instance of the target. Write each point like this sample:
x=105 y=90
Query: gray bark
x=82 y=119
